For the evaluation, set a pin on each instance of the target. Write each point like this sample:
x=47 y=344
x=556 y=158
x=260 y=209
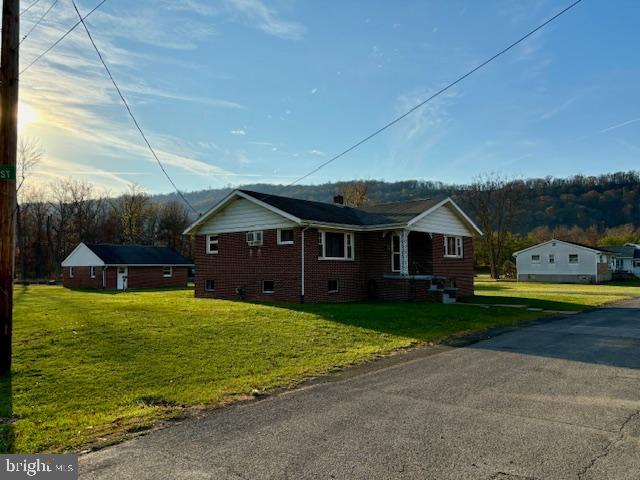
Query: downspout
x=302 y=265
x=104 y=278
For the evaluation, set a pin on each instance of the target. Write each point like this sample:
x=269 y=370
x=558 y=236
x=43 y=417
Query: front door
x=122 y=278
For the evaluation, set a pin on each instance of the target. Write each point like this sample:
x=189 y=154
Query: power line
x=439 y=92
x=39 y=21
x=61 y=38
x=29 y=7
x=135 y=121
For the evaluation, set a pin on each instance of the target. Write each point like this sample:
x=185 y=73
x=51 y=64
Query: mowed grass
x=552 y=296
x=91 y=367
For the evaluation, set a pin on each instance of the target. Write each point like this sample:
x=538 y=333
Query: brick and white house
x=120 y=267
x=263 y=247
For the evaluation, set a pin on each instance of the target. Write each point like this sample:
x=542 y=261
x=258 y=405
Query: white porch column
x=404 y=252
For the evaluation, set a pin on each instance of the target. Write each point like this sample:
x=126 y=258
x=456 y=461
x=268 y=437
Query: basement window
x=268 y=286
x=285 y=236
x=209 y=285
x=167 y=272
x=92 y=271
x=332 y=286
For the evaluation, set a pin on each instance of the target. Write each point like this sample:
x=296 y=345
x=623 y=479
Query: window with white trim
x=552 y=258
x=395 y=252
x=212 y=244
x=335 y=245
x=71 y=272
x=285 y=236
x=92 y=272
x=268 y=286
x=535 y=258
x=573 y=258
x=453 y=247
x=254 y=238
x=167 y=272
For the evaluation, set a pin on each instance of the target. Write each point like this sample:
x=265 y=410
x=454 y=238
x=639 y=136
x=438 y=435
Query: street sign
x=7 y=172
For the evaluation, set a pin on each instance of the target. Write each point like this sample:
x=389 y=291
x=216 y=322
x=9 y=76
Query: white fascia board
x=192 y=229
x=446 y=201
x=149 y=265
x=354 y=228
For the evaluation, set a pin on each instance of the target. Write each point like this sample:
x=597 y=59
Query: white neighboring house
x=627 y=258
x=557 y=261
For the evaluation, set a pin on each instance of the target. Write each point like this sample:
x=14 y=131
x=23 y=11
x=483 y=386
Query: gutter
x=302 y=264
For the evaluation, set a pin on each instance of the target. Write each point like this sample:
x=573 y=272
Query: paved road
x=557 y=400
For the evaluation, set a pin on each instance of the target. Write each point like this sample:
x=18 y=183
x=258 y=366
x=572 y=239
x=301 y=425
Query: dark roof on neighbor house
x=626 y=251
x=584 y=245
x=138 y=255
x=384 y=214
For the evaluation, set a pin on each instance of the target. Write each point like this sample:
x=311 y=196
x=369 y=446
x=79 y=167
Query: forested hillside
x=608 y=200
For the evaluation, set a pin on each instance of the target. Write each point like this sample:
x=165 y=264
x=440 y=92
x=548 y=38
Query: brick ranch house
x=119 y=267
x=263 y=247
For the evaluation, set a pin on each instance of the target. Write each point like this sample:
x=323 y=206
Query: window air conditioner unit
x=254 y=239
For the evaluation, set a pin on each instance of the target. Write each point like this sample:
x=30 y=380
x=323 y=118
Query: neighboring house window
x=619 y=263
x=268 y=286
x=71 y=272
x=535 y=258
x=167 y=272
x=335 y=245
x=453 y=247
x=573 y=258
x=552 y=258
x=254 y=239
x=332 y=286
x=209 y=285
x=212 y=244
x=395 y=253
x=92 y=271
x=285 y=236
x=636 y=264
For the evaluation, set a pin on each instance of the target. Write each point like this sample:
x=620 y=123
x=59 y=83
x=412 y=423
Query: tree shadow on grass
x=7 y=433
x=525 y=302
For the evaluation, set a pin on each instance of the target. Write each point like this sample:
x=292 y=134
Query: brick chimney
x=338 y=200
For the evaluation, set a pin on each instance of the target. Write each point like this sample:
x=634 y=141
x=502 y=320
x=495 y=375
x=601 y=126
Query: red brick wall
x=139 y=277
x=459 y=269
x=82 y=278
x=151 y=277
x=239 y=265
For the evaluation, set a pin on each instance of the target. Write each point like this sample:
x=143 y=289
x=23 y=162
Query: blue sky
x=242 y=91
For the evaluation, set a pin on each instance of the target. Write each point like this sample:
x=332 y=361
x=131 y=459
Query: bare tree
x=496 y=203
x=354 y=193
x=134 y=208
x=29 y=155
x=174 y=219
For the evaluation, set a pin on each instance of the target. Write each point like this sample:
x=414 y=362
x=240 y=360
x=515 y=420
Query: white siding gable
x=82 y=256
x=240 y=215
x=442 y=220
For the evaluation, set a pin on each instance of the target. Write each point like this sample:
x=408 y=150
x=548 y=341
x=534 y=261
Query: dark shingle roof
x=137 y=255
x=390 y=213
x=627 y=251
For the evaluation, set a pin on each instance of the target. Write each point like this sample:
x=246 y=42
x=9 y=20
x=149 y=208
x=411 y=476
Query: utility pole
x=8 y=151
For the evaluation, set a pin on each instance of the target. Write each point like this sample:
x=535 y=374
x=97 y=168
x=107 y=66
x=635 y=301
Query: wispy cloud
x=620 y=125
x=559 y=108
x=240 y=132
x=317 y=153
x=266 y=19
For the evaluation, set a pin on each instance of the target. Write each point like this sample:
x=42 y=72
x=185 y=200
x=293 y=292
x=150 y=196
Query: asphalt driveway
x=556 y=400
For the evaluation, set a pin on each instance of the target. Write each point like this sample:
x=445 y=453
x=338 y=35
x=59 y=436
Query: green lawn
x=91 y=367
x=551 y=296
